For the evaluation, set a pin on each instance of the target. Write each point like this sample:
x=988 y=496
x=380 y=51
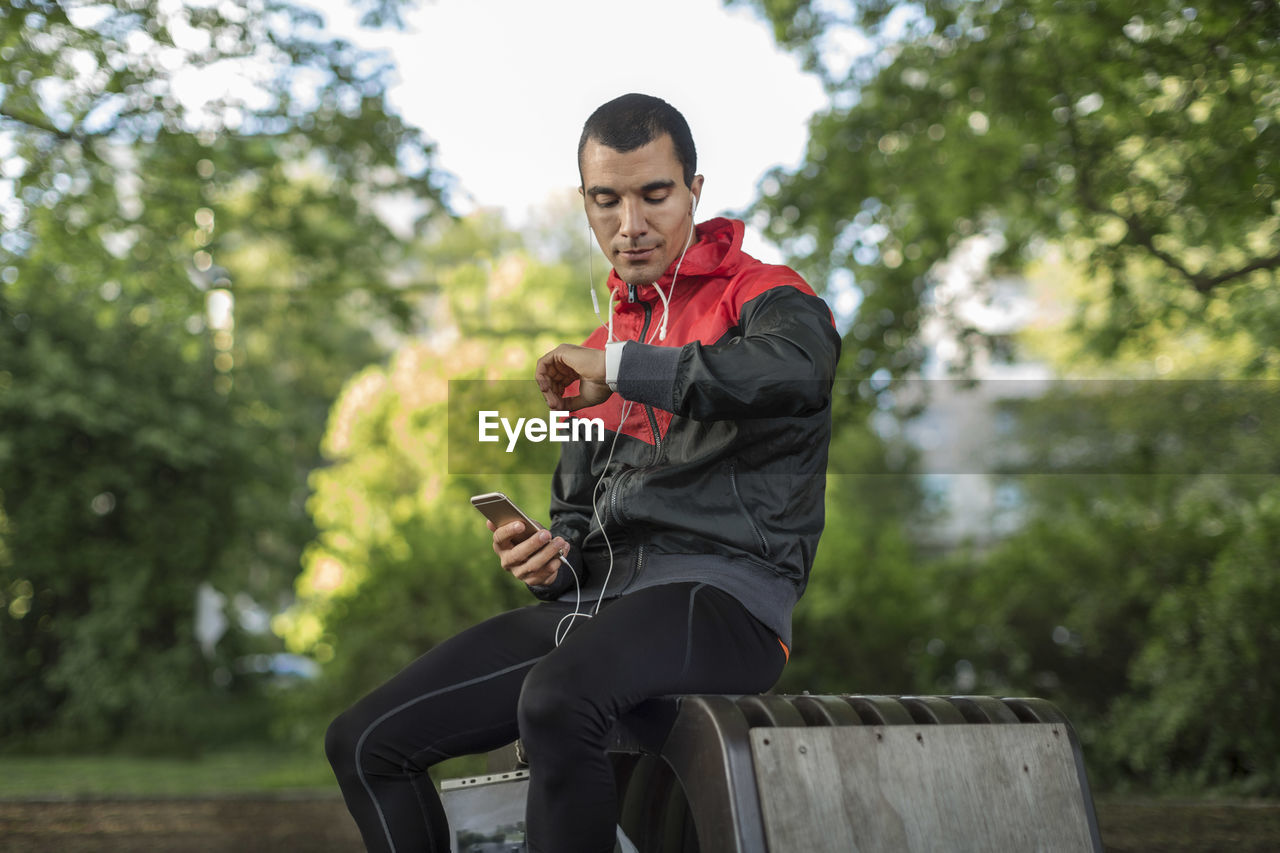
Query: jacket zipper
x=639 y=563
x=648 y=410
x=614 y=509
x=614 y=515
x=733 y=482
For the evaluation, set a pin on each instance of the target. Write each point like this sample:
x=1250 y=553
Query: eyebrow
x=652 y=186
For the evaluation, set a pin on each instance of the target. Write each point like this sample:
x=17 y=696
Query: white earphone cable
x=562 y=630
x=675 y=276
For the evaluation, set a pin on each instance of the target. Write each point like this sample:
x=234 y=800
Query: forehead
x=656 y=160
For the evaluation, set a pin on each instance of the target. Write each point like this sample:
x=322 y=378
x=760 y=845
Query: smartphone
x=500 y=509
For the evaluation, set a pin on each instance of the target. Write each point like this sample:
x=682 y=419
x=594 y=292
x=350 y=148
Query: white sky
x=503 y=86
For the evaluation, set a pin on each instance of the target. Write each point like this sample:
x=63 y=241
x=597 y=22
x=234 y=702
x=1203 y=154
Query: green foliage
x=860 y=625
x=187 y=282
x=402 y=561
x=1139 y=595
x=862 y=622
x=1144 y=134
x=1125 y=158
x=1204 y=708
x=119 y=464
x=1146 y=617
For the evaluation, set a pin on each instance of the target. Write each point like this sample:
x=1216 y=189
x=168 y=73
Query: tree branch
x=1144 y=238
x=7 y=112
x=1201 y=282
x=1255 y=265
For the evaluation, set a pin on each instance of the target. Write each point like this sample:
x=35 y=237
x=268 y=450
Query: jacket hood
x=717 y=252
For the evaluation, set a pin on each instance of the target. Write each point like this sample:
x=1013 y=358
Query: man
x=689 y=533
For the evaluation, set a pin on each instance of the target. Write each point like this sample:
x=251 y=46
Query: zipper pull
x=631 y=292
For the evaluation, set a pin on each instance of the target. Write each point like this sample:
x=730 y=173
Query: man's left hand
x=563 y=366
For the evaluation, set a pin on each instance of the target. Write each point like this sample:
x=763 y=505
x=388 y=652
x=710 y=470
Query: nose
x=633 y=224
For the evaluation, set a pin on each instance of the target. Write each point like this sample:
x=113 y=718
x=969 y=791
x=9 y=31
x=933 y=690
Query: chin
x=636 y=275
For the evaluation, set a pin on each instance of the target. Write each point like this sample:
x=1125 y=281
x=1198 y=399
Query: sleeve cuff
x=647 y=374
x=612 y=361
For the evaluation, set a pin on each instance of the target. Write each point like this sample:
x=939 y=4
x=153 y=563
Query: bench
x=741 y=774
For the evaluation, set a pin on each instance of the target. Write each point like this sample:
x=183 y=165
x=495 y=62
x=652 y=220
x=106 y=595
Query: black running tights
x=506 y=678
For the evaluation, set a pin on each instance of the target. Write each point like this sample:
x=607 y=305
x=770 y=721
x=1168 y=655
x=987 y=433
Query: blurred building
x=970 y=367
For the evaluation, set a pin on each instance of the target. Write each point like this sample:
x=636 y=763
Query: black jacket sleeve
x=781 y=363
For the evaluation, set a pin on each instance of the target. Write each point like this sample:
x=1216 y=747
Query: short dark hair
x=631 y=121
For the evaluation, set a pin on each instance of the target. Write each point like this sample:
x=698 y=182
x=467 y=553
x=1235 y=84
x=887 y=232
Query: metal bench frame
x=684 y=764
x=704 y=743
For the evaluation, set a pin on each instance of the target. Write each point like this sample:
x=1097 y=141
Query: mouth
x=637 y=255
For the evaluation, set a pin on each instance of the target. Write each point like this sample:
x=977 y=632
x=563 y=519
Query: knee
x=554 y=714
x=340 y=742
x=542 y=708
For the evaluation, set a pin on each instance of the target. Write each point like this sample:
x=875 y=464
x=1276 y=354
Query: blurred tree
x=1204 y=702
x=1140 y=604
x=1136 y=593
x=1128 y=157
x=120 y=464
x=1144 y=136
x=1150 y=552
x=401 y=560
x=199 y=186
x=861 y=622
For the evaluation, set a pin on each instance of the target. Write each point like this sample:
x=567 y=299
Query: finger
x=535 y=577
x=553 y=374
x=551 y=570
x=542 y=376
x=538 y=561
x=506 y=532
x=539 y=573
x=546 y=578
x=554 y=549
x=525 y=551
x=550 y=390
x=548 y=367
x=505 y=535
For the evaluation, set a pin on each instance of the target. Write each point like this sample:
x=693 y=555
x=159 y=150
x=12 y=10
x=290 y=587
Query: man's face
x=638 y=206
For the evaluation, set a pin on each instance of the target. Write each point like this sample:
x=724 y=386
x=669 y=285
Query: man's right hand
x=536 y=560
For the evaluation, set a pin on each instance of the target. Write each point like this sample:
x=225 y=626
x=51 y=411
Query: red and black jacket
x=719 y=469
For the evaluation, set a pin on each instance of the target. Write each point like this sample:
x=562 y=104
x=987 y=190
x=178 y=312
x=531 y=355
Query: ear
x=696 y=188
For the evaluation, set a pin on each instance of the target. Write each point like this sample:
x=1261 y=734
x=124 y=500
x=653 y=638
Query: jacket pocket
x=761 y=541
x=614 y=512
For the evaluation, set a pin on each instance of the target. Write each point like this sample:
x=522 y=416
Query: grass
x=43 y=788
x=232 y=772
